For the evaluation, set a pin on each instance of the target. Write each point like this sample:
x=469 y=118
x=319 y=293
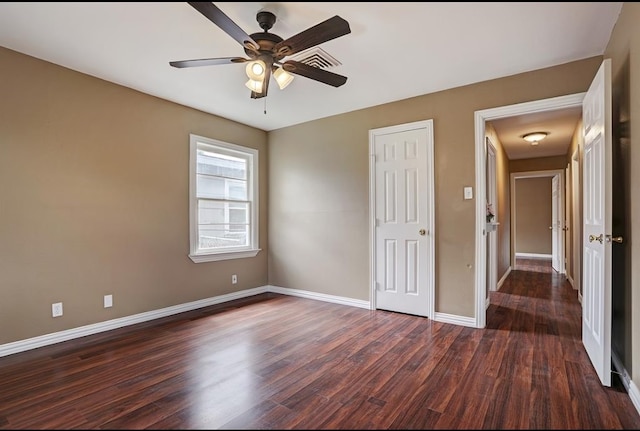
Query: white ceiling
x=395 y=50
x=559 y=125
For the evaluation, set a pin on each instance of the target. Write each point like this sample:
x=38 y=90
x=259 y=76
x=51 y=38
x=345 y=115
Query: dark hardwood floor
x=280 y=362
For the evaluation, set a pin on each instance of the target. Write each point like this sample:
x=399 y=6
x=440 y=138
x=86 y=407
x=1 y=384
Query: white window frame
x=251 y=155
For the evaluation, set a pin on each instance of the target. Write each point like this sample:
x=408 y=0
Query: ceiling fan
x=266 y=51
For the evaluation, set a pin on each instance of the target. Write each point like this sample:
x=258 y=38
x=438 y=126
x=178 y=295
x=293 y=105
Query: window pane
x=221 y=188
x=214 y=212
x=239 y=215
x=221 y=165
x=216 y=236
x=211 y=213
x=222 y=224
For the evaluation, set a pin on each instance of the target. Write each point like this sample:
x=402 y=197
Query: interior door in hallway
x=596 y=280
x=403 y=237
x=557 y=224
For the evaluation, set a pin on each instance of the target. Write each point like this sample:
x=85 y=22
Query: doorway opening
x=538 y=197
x=481 y=118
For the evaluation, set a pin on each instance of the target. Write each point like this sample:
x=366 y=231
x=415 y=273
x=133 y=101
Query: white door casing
x=596 y=262
x=557 y=249
x=566 y=238
x=576 y=235
x=480 y=118
x=556 y=225
x=492 y=233
x=402 y=224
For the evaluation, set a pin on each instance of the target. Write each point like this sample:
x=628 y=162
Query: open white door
x=402 y=207
x=596 y=280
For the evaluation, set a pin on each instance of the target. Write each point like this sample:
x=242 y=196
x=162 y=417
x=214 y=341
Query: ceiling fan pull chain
x=265 y=106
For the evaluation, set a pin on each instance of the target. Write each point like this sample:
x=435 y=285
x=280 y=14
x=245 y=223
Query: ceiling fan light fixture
x=283 y=78
x=266 y=49
x=535 y=137
x=255 y=70
x=253 y=85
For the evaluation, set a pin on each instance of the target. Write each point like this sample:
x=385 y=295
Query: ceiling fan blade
x=314 y=73
x=216 y=16
x=319 y=33
x=207 y=62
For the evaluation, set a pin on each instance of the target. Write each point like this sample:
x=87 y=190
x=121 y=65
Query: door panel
x=403 y=217
x=596 y=280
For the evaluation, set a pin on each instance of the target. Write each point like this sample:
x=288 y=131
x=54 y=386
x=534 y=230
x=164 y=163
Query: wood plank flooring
x=278 y=362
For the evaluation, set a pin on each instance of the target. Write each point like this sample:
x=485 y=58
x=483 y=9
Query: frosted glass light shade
x=534 y=137
x=255 y=70
x=254 y=85
x=283 y=78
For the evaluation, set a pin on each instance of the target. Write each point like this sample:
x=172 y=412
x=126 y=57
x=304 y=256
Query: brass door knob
x=422 y=232
x=595 y=238
x=617 y=239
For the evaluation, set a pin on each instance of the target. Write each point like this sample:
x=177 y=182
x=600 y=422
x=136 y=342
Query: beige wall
x=318 y=208
x=94 y=200
x=624 y=51
x=538 y=164
x=504 y=202
x=534 y=165
x=532 y=215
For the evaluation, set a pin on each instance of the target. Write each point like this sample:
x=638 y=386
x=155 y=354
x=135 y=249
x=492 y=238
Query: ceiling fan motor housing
x=265 y=39
x=265 y=19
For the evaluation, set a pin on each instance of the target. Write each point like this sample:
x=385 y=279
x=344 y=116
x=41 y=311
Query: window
x=223 y=202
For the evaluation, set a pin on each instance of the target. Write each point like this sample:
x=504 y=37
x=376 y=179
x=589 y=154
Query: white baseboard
x=69 y=334
x=95 y=328
x=570 y=280
x=634 y=394
x=534 y=256
x=455 y=319
x=504 y=277
x=320 y=296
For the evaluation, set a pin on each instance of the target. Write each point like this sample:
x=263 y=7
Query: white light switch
x=468 y=193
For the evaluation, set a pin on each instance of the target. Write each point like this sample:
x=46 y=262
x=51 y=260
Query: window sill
x=213 y=257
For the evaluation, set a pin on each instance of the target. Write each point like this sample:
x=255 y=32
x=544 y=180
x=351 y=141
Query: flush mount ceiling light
x=535 y=137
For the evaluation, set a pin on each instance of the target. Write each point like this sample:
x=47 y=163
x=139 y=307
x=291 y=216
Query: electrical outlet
x=234 y=279
x=56 y=309
x=108 y=301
